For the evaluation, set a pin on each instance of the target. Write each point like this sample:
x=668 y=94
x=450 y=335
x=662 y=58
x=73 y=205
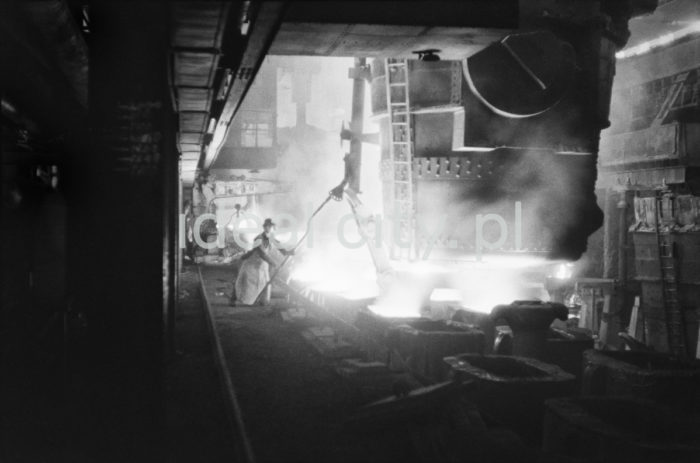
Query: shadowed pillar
x=124 y=226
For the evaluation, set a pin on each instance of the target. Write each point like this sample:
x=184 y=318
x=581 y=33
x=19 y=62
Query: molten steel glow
x=445 y=295
x=564 y=271
x=393 y=311
x=419 y=267
x=500 y=279
x=346 y=278
x=477 y=285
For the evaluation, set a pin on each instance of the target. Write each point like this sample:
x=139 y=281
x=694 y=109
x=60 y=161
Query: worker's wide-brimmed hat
x=267 y=222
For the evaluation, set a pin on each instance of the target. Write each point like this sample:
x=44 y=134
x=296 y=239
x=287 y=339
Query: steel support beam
x=262 y=31
x=123 y=232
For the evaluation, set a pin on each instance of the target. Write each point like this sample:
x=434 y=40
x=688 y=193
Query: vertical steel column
x=356 y=123
x=126 y=259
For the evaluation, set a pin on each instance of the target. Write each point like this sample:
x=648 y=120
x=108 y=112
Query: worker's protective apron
x=252 y=278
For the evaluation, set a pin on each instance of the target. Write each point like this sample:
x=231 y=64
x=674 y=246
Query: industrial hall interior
x=350 y=231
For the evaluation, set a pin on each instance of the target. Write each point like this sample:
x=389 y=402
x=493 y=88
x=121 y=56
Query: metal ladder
x=401 y=157
x=675 y=327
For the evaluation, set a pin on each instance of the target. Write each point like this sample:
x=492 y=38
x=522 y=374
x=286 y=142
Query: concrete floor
x=198 y=428
x=292 y=401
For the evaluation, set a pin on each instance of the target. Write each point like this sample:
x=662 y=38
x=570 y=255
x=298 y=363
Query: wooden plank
x=190 y=137
x=190 y=156
x=198 y=24
x=194 y=98
x=191 y=121
x=194 y=69
x=187 y=147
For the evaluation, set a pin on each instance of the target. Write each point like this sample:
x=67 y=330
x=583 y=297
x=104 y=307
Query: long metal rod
x=296 y=246
x=524 y=66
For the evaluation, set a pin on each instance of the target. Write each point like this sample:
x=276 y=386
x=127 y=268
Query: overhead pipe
x=354 y=157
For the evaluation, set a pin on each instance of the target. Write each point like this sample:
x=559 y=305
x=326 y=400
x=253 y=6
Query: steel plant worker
x=255 y=270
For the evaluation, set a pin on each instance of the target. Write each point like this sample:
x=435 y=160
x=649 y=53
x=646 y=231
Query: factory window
x=256 y=135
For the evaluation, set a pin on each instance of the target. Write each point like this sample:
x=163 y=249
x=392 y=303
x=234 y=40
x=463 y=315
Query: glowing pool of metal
x=348 y=279
x=466 y=282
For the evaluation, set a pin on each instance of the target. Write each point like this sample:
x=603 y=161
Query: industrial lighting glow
x=216 y=141
x=574 y=153
x=479 y=149
x=446 y=295
x=478 y=285
x=660 y=41
x=349 y=281
x=564 y=271
x=394 y=311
